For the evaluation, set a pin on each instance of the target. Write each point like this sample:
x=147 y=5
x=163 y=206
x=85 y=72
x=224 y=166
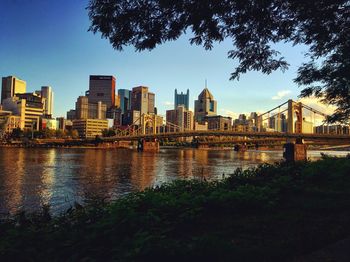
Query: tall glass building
x=182 y=99
x=125 y=99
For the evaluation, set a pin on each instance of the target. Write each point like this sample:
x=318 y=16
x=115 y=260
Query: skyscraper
x=86 y=110
x=204 y=106
x=102 y=88
x=12 y=85
x=46 y=92
x=142 y=100
x=182 y=99
x=125 y=99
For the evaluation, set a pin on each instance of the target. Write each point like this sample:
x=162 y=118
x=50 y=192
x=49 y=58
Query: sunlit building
x=29 y=106
x=12 y=85
x=218 y=122
x=8 y=122
x=204 y=106
x=102 y=88
x=142 y=100
x=84 y=109
x=47 y=93
x=90 y=128
x=181 y=118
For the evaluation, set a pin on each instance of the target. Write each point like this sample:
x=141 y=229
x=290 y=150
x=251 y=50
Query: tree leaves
x=254 y=26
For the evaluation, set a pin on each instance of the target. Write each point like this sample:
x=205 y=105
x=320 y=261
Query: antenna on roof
x=206 y=86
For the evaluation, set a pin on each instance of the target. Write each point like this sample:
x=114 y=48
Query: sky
x=47 y=42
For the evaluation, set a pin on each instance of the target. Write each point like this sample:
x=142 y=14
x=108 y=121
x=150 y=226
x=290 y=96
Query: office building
x=142 y=102
x=90 y=128
x=204 y=106
x=125 y=99
x=244 y=124
x=71 y=114
x=131 y=117
x=151 y=103
x=84 y=109
x=139 y=100
x=221 y=123
x=102 y=88
x=181 y=118
x=12 y=85
x=8 y=122
x=182 y=99
x=200 y=127
x=332 y=129
x=29 y=106
x=47 y=93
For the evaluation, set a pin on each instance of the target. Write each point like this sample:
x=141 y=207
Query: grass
x=269 y=213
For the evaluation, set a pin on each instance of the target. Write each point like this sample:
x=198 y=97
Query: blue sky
x=47 y=43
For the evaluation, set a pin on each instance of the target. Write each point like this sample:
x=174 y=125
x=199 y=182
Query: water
x=30 y=178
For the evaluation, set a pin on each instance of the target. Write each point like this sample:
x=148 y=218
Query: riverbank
x=273 y=212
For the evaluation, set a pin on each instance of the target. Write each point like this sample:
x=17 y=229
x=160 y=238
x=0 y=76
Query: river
x=31 y=178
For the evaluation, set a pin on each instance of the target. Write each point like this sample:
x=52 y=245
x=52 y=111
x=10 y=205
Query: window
x=100 y=94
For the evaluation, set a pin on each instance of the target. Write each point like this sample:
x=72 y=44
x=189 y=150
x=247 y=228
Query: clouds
x=281 y=94
x=168 y=103
x=233 y=115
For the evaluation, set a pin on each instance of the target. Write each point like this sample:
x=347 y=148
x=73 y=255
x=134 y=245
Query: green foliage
x=266 y=213
x=254 y=27
x=73 y=133
x=108 y=133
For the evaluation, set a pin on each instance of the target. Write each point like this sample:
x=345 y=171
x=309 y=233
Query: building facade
x=204 y=106
x=142 y=102
x=221 y=123
x=29 y=106
x=12 y=85
x=8 y=122
x=139 y=100
x=125 y=99
x=84 y=109
x=71 y=114
x=90 y=128
x=182 y=99
x=181 y=118
x=47 y=93
x=102 y=88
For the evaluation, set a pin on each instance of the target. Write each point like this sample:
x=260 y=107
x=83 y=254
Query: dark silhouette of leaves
x=253 y=26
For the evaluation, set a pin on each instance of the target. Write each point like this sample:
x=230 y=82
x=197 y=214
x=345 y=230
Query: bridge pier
x=295 y=151
x=148 y=146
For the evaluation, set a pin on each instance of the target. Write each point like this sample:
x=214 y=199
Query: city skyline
x=42 y=49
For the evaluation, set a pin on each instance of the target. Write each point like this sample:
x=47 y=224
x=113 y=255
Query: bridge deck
x=332 y=137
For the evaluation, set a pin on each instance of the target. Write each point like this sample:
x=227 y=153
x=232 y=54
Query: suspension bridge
x=287 y=120
x=291 y=122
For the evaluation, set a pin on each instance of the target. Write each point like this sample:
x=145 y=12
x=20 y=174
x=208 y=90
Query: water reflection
x=30 y=178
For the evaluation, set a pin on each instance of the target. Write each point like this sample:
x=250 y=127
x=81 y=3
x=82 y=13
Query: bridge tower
x=147 y=120
x=297 y=109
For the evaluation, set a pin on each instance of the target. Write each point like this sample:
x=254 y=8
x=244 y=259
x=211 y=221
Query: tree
x=254 y=26
x=108 y=133
x=17 y=133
